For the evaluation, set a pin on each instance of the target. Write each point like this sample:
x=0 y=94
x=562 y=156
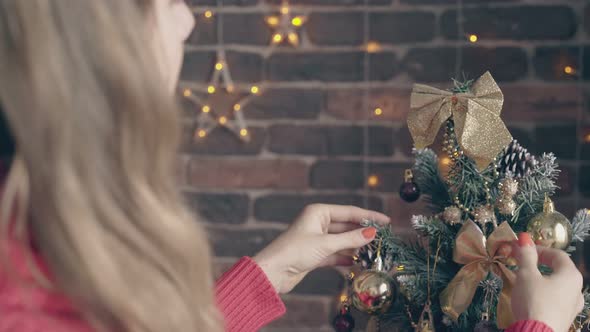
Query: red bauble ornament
x=409 y=190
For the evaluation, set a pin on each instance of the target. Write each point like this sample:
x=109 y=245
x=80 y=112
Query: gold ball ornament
x=550 y=228
x=373 y=292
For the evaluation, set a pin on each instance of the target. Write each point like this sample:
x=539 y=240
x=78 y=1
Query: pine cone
x=516 y=160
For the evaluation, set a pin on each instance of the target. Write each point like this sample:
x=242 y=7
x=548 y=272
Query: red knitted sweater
x=245 y=297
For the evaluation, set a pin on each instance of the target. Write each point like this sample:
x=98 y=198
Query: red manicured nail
x=369 y=232
x=524 y=239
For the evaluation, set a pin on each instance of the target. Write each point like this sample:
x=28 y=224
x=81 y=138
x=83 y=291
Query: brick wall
x=313 y=139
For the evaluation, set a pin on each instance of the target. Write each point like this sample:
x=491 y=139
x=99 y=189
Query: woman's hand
x=554 y=300
x=322 y=235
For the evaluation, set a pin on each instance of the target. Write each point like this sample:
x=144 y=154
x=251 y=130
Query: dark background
x=314 y=139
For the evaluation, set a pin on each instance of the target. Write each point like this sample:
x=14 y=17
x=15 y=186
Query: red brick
x=330 y=140
x=225 y=208
x=238 y=243
x=347 y=104
x=221 y=141
x=513 y=23
x=247 y=173
x=330 y=66
x=437 y=64
x=286 y=104
x=402 y=27
x=540 y=102
x=246 y=29
x=550 y=61
x=561 y=139
x=284 y=208
x=205 y=33
x=334 y=2
x=334 y=174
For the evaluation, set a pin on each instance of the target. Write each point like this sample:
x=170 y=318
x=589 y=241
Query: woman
x=94 y=234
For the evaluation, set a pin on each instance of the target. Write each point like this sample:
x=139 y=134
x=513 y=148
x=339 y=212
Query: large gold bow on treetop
x=480 y=131
x=479 y=257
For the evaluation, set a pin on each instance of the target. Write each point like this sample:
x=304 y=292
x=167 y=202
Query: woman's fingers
x=525 y=253
x=348 y=240
x=348 y=213
x=561 y=264
x=337 y=260
x=341 y=227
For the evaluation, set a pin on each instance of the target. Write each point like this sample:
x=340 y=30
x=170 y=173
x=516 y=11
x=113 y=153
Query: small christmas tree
x=451 y=279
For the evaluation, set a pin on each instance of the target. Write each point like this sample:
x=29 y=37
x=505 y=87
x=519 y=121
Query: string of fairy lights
x=222 y=102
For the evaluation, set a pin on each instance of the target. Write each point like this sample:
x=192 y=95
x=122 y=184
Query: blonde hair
x=96 y=137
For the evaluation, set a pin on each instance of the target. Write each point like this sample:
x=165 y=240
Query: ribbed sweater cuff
x=246 y=297
x=529 y=326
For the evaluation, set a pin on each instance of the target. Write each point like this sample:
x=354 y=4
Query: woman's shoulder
x=27 y=306
x=33 y=321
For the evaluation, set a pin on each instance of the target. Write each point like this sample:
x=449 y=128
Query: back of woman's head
x=95 y=134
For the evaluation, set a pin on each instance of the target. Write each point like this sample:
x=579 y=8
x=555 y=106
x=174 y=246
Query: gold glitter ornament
x=480 y=132
x=484 y=215
x=506 y=206
x=452 y=215
x=508 y=187
x=550 y=228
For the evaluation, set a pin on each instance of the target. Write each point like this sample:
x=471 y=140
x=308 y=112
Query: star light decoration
x=222 y=104
x=286 y=26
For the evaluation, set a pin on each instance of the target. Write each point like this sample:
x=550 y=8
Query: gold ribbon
x=479 y=258
x=480 y=132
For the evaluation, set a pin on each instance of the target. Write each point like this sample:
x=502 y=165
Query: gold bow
x=480 y=131
x=479 y=258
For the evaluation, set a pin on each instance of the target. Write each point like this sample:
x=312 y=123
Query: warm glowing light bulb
x=473 y=38
x=293 y=38
x=208 y=14
x=285 y=10
x=373 y=47
x=373 y=181
x=206 y=109
x=244 y=132
x=187 y=92
x=273 y=21
x=343 y=298
x=230 y=88
x=202 y=133
x=255 y=89
x=237 y=107
x=223 y=120
x=568 y=70
x=297 y=21
x=219 y=66
x=378 y=111
x=587 y=138
x=277 y=38
x=446 y=161
x=211 y=89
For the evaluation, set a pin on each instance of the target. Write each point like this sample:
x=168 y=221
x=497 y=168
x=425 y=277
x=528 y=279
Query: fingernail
x=369 y=233
x=525 y=240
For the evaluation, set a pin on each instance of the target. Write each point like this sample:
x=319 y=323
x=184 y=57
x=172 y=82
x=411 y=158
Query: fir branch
x=581 y=225
x=429 y=180
x=533 y=188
